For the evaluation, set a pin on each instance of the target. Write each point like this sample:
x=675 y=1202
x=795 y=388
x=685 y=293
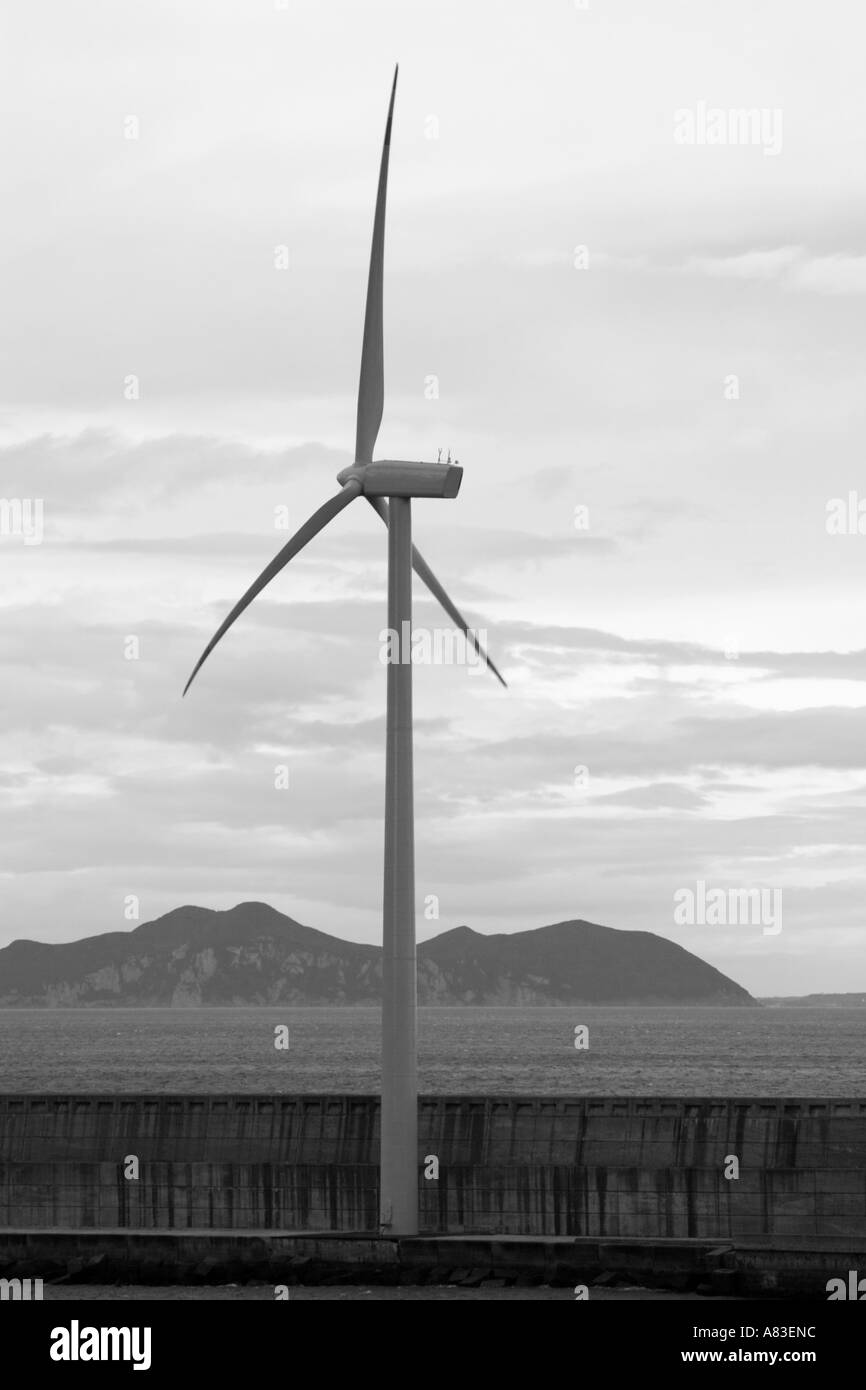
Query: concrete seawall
x=603 y=1168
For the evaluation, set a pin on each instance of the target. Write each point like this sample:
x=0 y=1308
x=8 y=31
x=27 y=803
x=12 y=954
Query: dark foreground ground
x=133 y=1293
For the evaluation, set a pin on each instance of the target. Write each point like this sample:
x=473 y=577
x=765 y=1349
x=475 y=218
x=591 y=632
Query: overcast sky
x=667 y=334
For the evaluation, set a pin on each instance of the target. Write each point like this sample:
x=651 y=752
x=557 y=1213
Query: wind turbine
x=388 y=485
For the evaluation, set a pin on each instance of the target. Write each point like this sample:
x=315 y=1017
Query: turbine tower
x=389 y=486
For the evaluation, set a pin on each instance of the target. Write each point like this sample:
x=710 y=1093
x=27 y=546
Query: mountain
x=253 y=954
x=816 y=1001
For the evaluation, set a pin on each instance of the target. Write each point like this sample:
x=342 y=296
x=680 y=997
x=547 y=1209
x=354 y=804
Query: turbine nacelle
x=404 y=478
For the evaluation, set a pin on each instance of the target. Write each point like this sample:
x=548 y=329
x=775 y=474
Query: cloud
x=655 y=796
x=544 y=258
x=93 y=471
x=792 y=266
x=748 y=265
x=832 y=275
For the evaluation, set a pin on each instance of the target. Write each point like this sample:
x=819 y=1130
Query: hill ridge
x=252 y=954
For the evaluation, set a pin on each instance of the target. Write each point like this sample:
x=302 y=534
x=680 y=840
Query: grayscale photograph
x=402 y=902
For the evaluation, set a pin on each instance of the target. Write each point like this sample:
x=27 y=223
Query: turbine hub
x=356 y=472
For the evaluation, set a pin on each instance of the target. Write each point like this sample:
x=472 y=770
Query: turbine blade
x=424 y=572
x=371 y=387
x=310 y=528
